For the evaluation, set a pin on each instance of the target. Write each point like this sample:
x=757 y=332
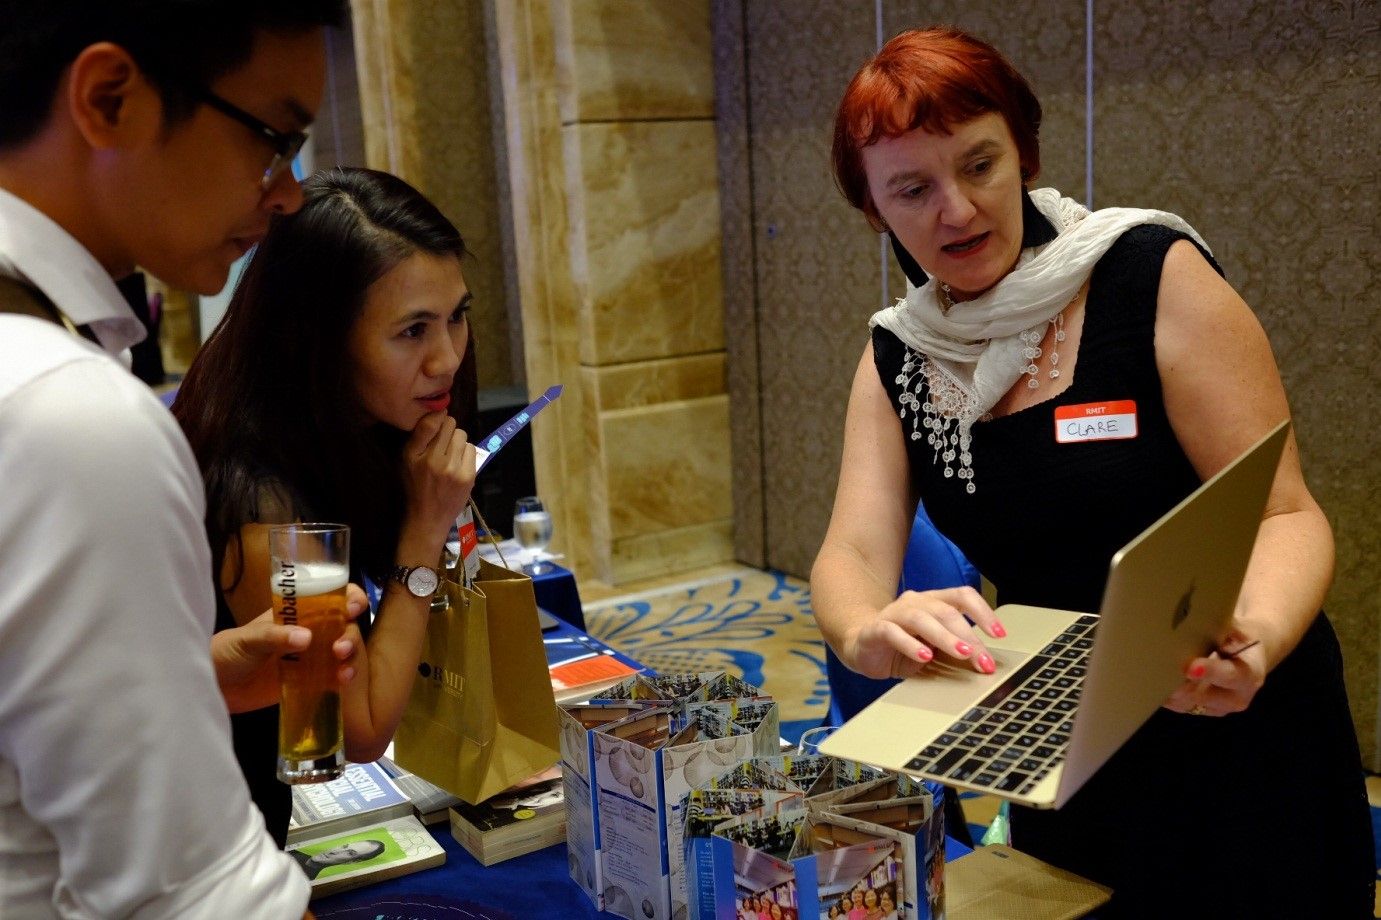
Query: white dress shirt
x=119 y=792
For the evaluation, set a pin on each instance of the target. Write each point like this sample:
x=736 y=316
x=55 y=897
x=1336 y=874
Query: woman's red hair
x=932 y=79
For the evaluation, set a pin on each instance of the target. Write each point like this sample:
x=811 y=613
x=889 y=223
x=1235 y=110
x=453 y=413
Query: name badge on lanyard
x=1101 y=421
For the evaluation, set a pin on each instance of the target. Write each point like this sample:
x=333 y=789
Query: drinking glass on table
x=310 y=567
x=532 y=530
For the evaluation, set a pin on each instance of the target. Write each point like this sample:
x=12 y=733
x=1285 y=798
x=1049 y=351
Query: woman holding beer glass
x=339 y=387
x=1023 y=303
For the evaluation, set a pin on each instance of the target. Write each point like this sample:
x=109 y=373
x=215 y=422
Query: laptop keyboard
x=1019 y=732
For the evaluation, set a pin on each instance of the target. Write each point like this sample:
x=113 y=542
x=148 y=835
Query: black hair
x=181 y=46
x=270 y=398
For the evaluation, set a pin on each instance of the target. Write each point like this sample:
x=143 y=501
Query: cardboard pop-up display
x=578 y=726
x=915 y=881
x=850 y=791
x=640 y=768
x=751 y=867
x=642 y=787
x=809 y=864
x=756 y=789
x=682 y=689
x=810 y=834
x=828 y=779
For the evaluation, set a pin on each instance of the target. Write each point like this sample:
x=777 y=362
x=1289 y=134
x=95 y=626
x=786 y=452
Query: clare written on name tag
x=1103 y=421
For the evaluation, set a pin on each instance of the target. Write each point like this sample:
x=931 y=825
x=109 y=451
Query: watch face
x=422 y=581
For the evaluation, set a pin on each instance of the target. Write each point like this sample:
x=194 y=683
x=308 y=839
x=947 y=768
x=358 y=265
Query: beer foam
x=312 y=578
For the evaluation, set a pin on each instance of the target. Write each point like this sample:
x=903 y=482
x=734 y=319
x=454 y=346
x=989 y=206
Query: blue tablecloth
x=536 y=885
x=557 y=594
x=564 y=630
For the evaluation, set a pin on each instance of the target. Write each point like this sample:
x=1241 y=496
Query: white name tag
x=1103 y=421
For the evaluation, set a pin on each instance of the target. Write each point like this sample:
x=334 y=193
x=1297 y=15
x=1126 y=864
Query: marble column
x=608 y=109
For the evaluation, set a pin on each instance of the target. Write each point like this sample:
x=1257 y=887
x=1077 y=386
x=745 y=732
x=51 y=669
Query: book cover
x=581 y=666
x=366 y=855
x=429 y=802
x=527 y=817
x=363 y=794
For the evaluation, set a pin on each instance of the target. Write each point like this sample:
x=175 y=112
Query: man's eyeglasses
x=285 y=144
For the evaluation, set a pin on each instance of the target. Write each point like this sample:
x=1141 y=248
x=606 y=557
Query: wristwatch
x=420 y=580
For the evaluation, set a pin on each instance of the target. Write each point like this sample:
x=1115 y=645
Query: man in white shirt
x=152 y=133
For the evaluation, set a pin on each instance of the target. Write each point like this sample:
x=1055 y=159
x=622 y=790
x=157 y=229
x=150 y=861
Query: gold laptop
x=1070 y=688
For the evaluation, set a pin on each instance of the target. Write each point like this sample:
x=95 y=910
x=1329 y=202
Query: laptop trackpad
x=952 y=689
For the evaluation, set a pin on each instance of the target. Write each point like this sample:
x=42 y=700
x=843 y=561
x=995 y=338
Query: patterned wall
x=1259 y=122
x=815 y=263
x=737 y=259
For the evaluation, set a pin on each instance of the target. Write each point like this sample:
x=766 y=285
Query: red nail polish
x=924 y=654
x=963 y=648
x=987 y=664
x=1197 y=671
x=999 y=630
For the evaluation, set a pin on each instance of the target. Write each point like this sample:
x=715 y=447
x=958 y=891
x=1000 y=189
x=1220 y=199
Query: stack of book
x=365 y=855
x=581 y=667
x=529 y=816
x=364 y=794
x=429 y=802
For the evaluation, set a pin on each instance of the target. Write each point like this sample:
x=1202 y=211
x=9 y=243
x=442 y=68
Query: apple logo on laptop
x=1182 y=608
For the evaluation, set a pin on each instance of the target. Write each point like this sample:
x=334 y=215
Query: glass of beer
x=310 y=568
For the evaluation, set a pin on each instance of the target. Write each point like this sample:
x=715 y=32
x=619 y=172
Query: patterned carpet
x=756 y=625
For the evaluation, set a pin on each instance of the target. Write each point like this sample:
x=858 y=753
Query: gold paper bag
x=482 y=715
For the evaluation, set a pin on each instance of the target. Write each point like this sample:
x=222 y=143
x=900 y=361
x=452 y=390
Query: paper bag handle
x=485 y=524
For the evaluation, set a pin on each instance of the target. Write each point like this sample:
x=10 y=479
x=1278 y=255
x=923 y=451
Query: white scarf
x=974 y=353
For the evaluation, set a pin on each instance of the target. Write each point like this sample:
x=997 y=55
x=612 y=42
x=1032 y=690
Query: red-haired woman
x=1022 y=302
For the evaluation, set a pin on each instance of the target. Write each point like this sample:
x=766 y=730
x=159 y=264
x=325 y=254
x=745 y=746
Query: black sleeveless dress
x=1259 y=814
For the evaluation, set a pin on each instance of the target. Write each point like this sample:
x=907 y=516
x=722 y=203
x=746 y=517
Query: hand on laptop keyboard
x=907 y=634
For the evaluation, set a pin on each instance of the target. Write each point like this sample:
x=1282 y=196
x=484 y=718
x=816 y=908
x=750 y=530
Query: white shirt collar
x=51 y=259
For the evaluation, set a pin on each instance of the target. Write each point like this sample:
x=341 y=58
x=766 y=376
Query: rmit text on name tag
x=1101 y=421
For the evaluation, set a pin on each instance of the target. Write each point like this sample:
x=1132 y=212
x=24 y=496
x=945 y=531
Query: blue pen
x=509 y=429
